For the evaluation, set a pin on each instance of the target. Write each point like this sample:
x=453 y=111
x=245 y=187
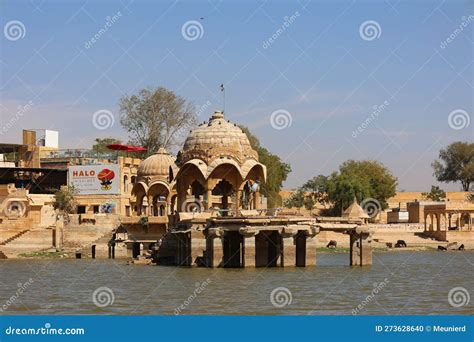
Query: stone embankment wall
x=412 y=234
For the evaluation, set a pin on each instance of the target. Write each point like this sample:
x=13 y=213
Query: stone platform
x=260 y=241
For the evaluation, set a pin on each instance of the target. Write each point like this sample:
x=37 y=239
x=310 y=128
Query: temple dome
x=157 y=164
x=217 y=138
x=355 y=211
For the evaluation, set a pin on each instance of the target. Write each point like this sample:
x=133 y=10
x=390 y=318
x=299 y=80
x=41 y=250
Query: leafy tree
x=456 y=164
x=65 y=202
x=277 y=170
x=156 y=118
x=318 y=189
x=362 y=179
x=436 y=194
x=296 y=200
x=100 y=145
x=309 y=203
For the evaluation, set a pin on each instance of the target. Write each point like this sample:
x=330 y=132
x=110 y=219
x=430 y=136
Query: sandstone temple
x=207 y=206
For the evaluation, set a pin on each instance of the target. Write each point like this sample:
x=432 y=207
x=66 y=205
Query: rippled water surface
x=415 y=283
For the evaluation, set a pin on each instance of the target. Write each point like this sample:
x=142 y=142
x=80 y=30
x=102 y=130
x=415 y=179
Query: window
x=96 y=209
x=125 y=184
x=81 y=209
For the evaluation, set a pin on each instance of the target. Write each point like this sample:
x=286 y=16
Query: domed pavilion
x=201 y=208
x=153 y=188
x=218 y=168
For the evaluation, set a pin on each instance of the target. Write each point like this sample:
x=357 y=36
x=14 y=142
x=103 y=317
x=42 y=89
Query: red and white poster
x=95 y=179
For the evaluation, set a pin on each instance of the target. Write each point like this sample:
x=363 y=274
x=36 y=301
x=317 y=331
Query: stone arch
x=157 y=197
x=140 y=190
x=217 y=163
x=224 y=190
x=191 y=166
x=257 y=172
x=228 y=171
x=191 y=172
x=252 y=169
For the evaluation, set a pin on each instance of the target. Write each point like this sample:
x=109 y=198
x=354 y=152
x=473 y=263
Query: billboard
x=95 y=179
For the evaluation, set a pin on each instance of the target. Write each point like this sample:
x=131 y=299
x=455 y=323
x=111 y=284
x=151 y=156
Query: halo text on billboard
x=95 y=179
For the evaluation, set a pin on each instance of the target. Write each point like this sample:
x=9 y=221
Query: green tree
x=309 y=203
x=456 y=164
x=362 y=179
x=100 y=145
x=65 y=202
x=296 y=200
x=156 y=118
x=277 y=170
x=436 y=194
x=317 y=187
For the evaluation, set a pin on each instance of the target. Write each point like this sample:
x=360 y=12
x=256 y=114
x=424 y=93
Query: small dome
x=355 y=211
x=216 y=139
x=157 y=164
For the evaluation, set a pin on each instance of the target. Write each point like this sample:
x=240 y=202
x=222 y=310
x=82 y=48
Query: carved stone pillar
x=248 y=246
x=311 y=245
x=360 y=247
x=288 y=248
x=257 y=200
x=181 y=196
x=237 y=200
x=210 y=184
x=214 y=249
x=151 y=209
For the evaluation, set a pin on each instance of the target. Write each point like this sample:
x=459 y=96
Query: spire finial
x=218 y=114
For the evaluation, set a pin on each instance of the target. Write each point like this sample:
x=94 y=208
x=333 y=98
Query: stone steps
x=33 y=240
x=16 y=236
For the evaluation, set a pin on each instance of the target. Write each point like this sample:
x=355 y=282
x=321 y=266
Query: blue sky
x=322 y=71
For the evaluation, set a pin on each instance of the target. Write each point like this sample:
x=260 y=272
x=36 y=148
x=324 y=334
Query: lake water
x=397 y=284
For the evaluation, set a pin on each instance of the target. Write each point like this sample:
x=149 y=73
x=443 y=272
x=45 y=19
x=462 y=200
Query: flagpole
x=223 y=97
